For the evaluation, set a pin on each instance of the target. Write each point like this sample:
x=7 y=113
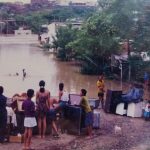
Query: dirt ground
x=134 y=135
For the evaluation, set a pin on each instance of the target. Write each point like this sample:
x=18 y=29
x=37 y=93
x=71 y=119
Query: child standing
x=101 y=85
x=29 y=121
x=88 y=112
x=147 y=111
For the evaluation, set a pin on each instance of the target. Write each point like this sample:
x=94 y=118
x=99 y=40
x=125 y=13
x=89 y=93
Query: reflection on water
x=43 y=66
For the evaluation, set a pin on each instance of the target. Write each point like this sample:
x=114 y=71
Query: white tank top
x=65 y=97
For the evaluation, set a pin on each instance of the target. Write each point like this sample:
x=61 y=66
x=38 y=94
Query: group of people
x=35 y=112
x=24 y=74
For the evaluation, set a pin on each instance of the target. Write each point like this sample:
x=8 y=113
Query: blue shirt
x=146 y=76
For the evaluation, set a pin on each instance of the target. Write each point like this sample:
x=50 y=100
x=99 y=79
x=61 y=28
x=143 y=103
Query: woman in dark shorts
x=52 y=116
x=42 y=100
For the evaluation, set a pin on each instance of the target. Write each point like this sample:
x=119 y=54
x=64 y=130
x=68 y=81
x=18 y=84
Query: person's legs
x=3 y=124
x=25 y=137
x=89 y=130
x=1 y=135
x=101 y=99
x=52 y=114
x=39 y=126
x=102 y=102
x=44 y=127
x=29 y=137
x=22 y=123
x=88 y=123
x=54 y=127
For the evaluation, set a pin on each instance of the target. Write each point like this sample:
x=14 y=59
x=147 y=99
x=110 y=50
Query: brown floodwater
x=40 y=65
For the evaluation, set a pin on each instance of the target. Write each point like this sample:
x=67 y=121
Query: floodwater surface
x=40 y=65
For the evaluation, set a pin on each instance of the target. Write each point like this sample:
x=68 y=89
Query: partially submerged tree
x=64 y=36
x=96 y=42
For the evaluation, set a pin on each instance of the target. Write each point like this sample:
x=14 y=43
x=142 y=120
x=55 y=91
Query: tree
x=64 y=36
x=95 y=43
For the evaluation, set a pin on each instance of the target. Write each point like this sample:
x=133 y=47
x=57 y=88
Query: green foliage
x=64 y=36
x=64 y=13
x=96 y=41
x=46 y=46
x=138 y=67
x=131 y=20
x=34 y=19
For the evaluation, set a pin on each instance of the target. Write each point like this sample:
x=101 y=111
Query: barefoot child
x=86 y=107
x=29 y=121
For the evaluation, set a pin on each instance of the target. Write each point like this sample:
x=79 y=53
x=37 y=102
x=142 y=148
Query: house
x=77 y=3
x=21 y=31
x=52 y=29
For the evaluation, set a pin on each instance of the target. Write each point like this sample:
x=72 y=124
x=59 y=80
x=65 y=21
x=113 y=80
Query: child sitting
x=88 y=112
x=147 y=111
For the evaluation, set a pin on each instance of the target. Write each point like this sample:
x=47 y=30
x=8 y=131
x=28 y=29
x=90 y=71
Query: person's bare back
x=52 y=103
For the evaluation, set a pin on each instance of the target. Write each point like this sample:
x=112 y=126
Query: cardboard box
x=16 y=139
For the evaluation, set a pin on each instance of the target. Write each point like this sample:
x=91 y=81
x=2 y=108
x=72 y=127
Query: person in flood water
x=42 y=100
x=3 y=115
x=24 y=73
x=17 y=74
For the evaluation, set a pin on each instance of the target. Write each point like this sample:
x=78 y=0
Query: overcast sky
x=25 y=1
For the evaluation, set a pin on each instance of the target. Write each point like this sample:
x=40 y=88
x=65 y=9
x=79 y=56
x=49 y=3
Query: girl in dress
x=42 y=100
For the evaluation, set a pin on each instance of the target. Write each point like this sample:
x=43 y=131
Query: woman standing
x=42 y=100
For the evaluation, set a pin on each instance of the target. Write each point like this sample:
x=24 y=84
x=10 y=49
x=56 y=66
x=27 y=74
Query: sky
x=24 y=1
x=27 y=1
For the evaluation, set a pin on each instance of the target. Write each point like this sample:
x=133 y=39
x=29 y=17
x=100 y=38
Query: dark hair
x=30 y=93
x=1 y=90
x=42 y=83
x=42 y=89
x=83 y=91
x=61 y=86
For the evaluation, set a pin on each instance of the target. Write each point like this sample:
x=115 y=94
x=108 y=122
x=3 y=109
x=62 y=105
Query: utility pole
x=7 y=28
x=128 y=48
x=121 y=69
x=0 y=22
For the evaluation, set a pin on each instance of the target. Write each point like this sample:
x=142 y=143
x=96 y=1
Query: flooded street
x=40 y=65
